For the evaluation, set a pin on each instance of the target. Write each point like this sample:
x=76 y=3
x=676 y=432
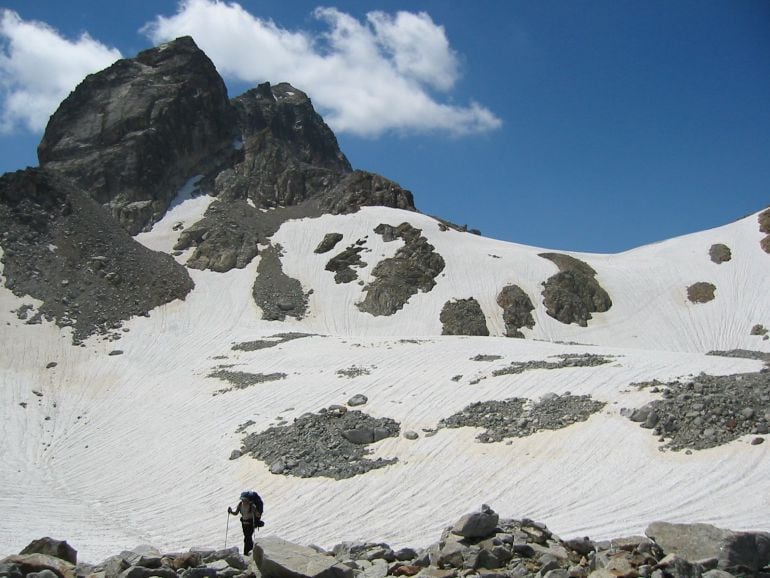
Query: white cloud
x=39 y=67
x=366 y=77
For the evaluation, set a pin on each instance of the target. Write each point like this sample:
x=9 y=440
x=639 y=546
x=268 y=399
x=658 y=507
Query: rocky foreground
x=479 y=544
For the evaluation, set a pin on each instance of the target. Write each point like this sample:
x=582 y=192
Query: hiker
x=250 y=509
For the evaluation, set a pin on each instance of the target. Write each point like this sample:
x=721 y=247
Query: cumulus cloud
x=366 y=77
x=39 y=67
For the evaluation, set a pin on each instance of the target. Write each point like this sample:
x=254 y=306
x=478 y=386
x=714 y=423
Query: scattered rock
x=358 y=399
x=463 y=317
x=701 y=292
x=518 y=417
x=329 y=443
x=342 y=264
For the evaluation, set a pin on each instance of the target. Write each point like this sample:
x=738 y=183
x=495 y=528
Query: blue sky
x=588 y=126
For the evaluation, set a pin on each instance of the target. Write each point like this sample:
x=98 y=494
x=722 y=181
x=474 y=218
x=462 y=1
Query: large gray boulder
x=134 y=133
x=735 y=551
x=51 y=547
x=477 y=524
x=283 y=559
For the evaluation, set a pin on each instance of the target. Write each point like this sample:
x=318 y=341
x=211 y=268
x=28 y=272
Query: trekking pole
x=227 y=528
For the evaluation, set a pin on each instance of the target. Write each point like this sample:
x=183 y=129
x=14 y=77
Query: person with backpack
x=250 y=508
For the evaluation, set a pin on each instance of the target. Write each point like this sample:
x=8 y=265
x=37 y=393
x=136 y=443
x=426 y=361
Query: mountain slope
x=321 y=283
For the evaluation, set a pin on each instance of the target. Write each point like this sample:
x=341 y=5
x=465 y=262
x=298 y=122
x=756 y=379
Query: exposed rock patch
x=225 y=238
x=463 y=317
x=519 y=417
x=271 y=341
x=61 y=247
x=759 y=329
x=576 y=360
x=342 y=264
x=328 y=243
x=131 y=135
x=413 y=268
x=707 y=411
x=365 y=189
x=701 y=292
x=242 y=380
x=330 y=443
x=517 y=310
x=353 y=371
x=764 y=227
x=277 y=294
x=720 y=253
x=573 y=294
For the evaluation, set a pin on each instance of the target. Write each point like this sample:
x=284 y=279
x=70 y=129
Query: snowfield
x=110 y=451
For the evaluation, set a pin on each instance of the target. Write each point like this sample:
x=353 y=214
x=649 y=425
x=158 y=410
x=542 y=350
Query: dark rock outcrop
x=764 y=227
x=573 y=294
x=328 y=243
x=277 y=294
x=414 y=268
x=720 y=253
x=342 y=264
x=517 y=310
x=62 y=248
x=365 y=189
x=131 y=135
x=463 y=317
x=701 y=292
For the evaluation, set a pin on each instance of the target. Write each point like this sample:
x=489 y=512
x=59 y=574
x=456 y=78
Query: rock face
x=517 y=310
x=328 y=243
x=131 y=135
x=62 y=248
x=289 y=154
x=720 y=253
x=573 y=294
x=342 y=264
x=701 y=292
x=463 y=317
x=414 y=268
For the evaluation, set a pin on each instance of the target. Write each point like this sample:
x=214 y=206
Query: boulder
x=701 y=292
x=50 y=547
x=688 y=541
x=283 y=559
x=720 y=253
x=328 y=243
x=29 y=563
x=358 y=399
x=477 y=524
x=573 y=294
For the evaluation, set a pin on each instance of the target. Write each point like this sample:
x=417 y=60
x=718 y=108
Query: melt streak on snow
x=112 y=451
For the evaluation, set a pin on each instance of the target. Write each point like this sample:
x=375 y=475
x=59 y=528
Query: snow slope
x=110 y=451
